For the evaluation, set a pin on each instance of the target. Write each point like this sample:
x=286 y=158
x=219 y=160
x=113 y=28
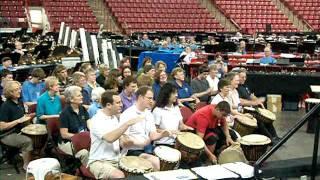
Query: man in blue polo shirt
x=185 y=94
x=267 y=59
x=145 y=42
x=32 y=89
x=49 y=103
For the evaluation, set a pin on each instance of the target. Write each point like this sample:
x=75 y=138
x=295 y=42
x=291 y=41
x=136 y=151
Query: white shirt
x=218 y=98
x=100 y=149
x=188 y=57
x=213 y=83
x=141 y=130
x=167 y=118
x=234 y=99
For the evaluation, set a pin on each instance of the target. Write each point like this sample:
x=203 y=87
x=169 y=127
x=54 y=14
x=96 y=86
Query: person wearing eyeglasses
x=143 y=132
x=210 y=124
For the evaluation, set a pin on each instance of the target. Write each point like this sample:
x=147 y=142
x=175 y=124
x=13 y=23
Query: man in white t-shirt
x=144 y=132
x=107 y=135
x=212 y=78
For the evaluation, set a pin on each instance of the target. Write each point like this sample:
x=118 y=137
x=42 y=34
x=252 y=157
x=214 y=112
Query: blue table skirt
x=169 y=58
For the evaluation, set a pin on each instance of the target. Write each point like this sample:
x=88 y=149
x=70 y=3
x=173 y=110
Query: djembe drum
x=169 y=157
x=265 y=115
x=134 y=166
x=310 y=103
x=232 y=154
x=250 y=110
x=245 y=125
x=190 y=145
x=254 y=146
x=38 y=134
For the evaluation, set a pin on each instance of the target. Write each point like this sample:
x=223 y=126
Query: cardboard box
x=274 y=107
x=274 y=102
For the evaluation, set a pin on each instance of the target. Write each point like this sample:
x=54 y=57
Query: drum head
x=35 y=129
x=167 y=153
x=312 y=100
x=232 y=154
x=267 y=114
x=249 y=109
x=134 y=164
x=255 y=139
x=191 y=140
x=252 y=122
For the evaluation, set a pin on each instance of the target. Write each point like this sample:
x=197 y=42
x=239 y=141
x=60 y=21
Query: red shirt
x=203 y=119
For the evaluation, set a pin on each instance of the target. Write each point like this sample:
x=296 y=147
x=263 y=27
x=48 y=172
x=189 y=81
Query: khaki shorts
x=103 y=169
x=83 y=154
x=24 y=143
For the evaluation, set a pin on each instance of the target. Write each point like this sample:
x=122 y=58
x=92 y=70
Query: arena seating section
x=309 y=10
x=253 y=15
x=12 y=14
x=162 y=15
x=75 y=13
x=167 y=15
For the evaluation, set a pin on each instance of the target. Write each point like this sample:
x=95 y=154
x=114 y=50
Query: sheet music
x=214 y=172
x=179 y=174
x=244 y=170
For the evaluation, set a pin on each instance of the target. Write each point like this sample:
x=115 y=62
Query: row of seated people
x=133 y=128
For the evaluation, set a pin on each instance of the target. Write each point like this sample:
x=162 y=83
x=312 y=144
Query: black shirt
x=100 y=80
x=11 y=111
x=74 y=122
x=244 y=92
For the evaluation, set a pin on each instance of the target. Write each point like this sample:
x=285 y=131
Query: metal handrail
x=284 y=139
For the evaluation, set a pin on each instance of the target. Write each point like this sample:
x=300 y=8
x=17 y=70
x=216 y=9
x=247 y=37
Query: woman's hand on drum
x=24 y=119
x=187 y=128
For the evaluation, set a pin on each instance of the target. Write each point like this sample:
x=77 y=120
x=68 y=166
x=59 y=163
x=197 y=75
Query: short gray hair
x=70 y=91
x=96 y=93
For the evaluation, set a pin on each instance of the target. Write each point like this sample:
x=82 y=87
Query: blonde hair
x=76 y=77
x=176 y=70
x=102 y=68
x=144 y=80
x=213 y=67
x=50 y=81
x=8 y=89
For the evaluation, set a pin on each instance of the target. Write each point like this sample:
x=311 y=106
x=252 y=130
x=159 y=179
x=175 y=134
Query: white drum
x=169 y=157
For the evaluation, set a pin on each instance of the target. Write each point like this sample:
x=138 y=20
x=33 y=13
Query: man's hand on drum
x=126 y=141
x=213 y=159
x=229 y=141
x=166 y=133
